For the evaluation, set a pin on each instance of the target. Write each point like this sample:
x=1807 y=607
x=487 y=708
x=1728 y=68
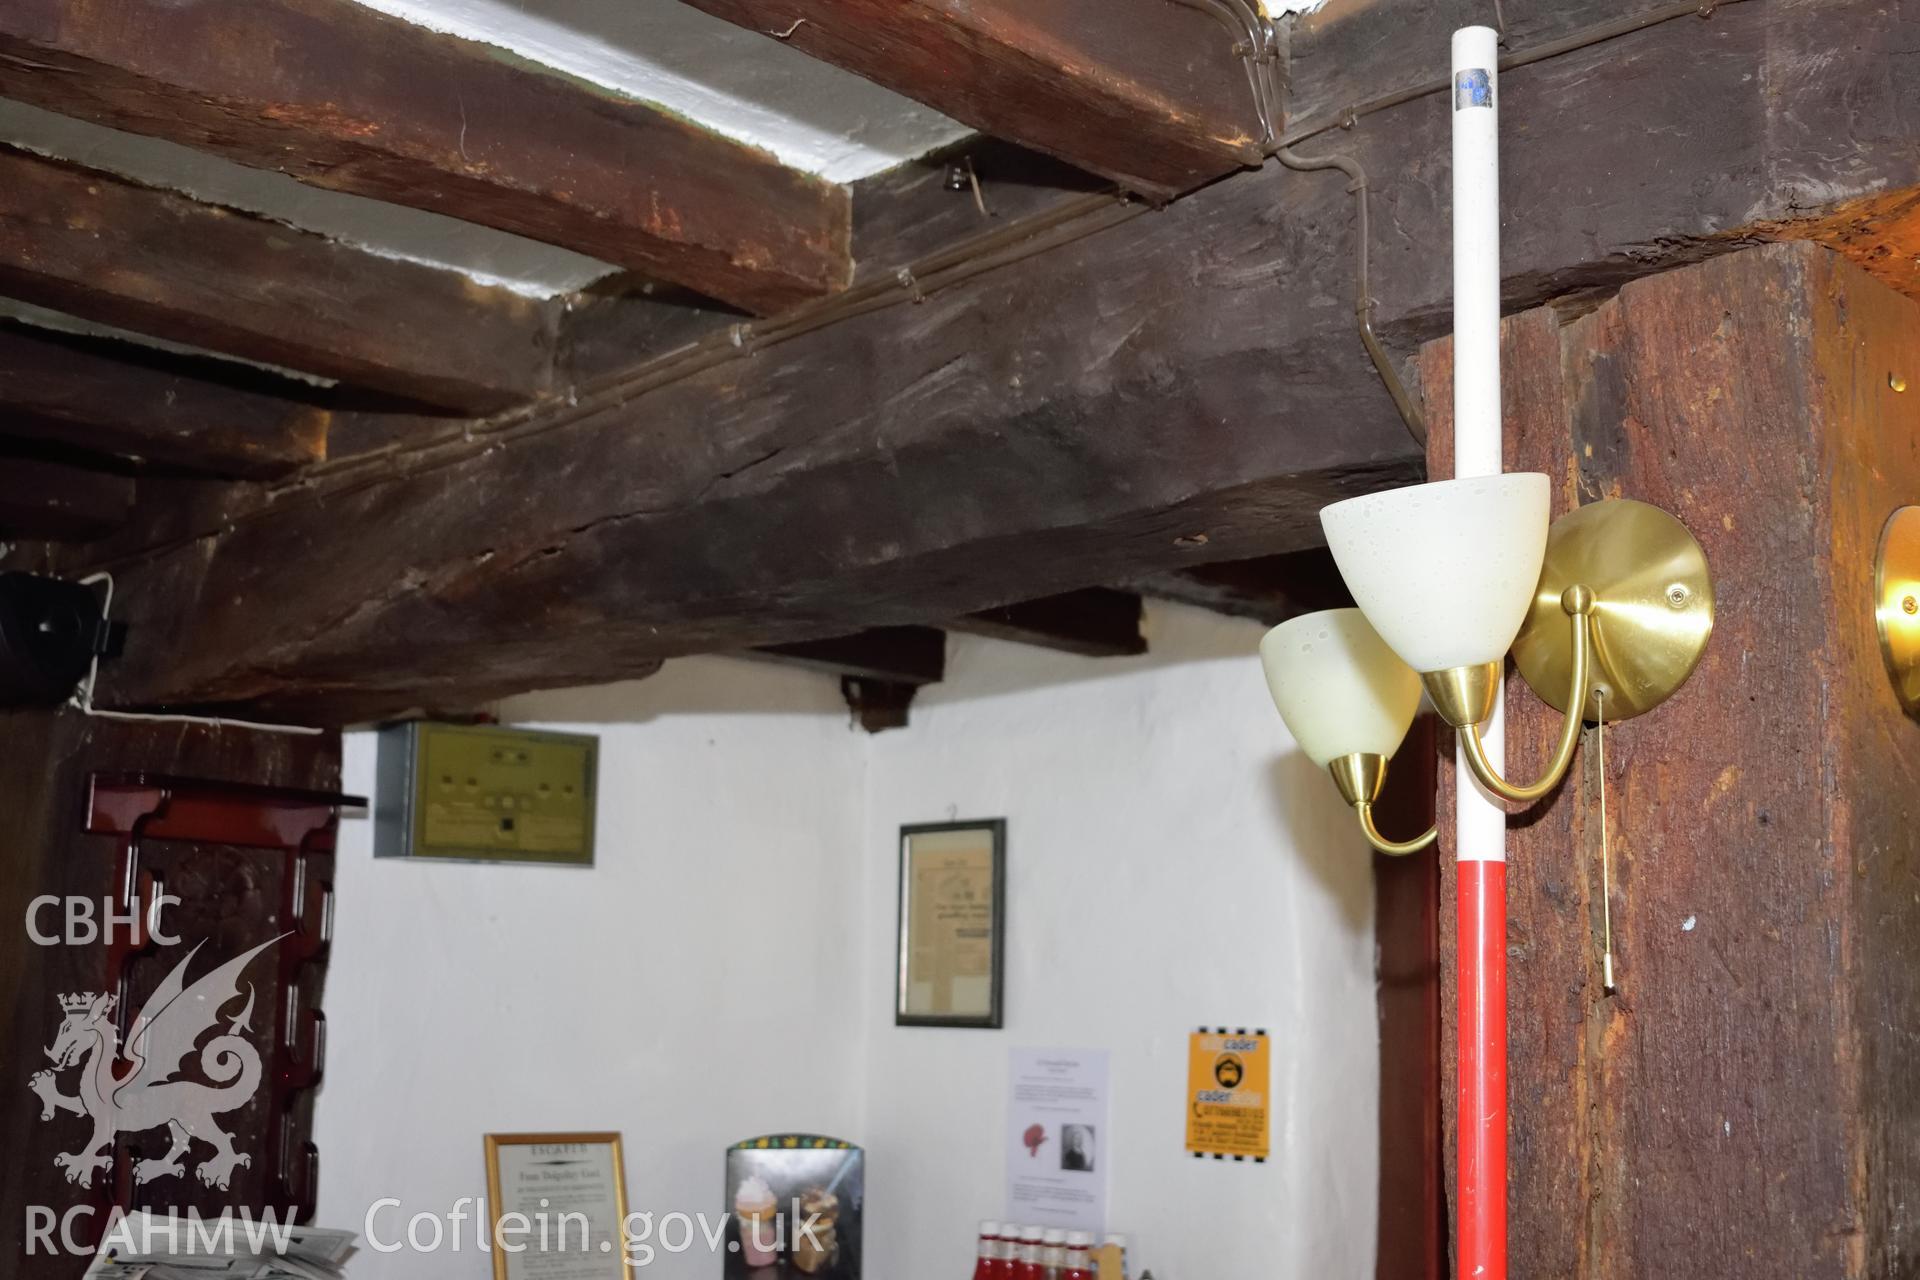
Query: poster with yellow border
x=1229 y=1082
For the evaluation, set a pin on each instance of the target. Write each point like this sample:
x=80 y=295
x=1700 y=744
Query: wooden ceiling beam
x=165 y=265
x=1094 y=623
x=97 y=395
x=341 y=96
x=929 y=205
x=1172 y=388
x=54 y=502
x=909 y=464
x=901 y=217
x=1149 y=93
x=1269 y=589
x=912 y=656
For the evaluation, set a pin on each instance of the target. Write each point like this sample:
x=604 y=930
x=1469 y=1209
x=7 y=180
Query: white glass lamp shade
x=1445 y=572
x=1338 y=686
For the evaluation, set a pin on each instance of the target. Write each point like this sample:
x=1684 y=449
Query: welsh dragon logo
x=138 y=1090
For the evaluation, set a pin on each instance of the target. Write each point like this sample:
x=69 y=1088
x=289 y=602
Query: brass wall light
x=1896 y=600
x=1348 y=700
x=1606 y=611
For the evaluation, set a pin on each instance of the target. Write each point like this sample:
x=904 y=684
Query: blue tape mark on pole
x=1472 y=89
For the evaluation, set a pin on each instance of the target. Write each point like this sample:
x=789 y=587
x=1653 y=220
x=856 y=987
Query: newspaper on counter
x=148 y=1247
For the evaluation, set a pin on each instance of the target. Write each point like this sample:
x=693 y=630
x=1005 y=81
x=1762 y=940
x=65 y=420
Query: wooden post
x=1745 y=1104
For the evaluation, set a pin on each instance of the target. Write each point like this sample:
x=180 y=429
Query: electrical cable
x=1573 y=42
x=82 y=699
x=1282 y=145
x=1257 y=42
x=1362 y=284
x=1606 y=860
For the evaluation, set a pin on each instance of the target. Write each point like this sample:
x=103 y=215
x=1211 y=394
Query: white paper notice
x=1057 y=1138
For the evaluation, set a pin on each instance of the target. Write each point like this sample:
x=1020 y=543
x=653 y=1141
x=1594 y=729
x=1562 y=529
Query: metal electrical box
x=481 y=793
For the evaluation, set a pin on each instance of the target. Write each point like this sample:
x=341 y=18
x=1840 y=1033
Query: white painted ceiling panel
x=394 y=231
x=739 y=83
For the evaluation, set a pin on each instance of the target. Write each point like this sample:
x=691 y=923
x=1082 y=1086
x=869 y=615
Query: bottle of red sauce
x=1079 y=1260
x=987 y=1257
x=1053 y=1253
x=1026 y=1264
x=1007 y=1257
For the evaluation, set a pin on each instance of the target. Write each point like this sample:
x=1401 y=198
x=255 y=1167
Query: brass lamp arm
x=1394 y=847
x=1360 y=777
x=1578 y=602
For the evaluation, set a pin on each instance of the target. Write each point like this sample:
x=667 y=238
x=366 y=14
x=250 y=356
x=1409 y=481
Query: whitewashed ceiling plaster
x=739 y=83
x=486 y=255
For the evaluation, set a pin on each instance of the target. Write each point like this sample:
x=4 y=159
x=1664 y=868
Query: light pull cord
x=1606 y=862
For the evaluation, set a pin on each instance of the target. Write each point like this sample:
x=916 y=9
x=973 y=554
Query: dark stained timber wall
x=231 y=899
x=1747 y=1104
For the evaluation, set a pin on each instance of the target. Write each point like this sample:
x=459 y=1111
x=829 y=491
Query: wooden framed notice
x=953 y=878
x=558 y=1203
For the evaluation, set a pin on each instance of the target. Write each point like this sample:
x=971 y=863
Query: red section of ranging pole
x=1482 y=1112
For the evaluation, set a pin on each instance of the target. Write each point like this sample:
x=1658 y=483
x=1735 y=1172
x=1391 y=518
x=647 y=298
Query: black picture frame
x=994 y=1018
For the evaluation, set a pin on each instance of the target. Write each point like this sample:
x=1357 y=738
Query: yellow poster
x=1228 y=1083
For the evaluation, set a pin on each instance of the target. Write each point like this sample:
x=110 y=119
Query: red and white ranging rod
x=1480 y=821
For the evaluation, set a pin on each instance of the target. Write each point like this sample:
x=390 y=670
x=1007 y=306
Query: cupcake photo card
x=795 y=1202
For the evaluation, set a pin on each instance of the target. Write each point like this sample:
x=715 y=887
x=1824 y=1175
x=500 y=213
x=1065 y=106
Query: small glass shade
x=1445 y=572
x=1338 y=686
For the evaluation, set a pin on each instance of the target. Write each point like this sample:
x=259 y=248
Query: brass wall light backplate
x=1652 y=613
x=1896 y=603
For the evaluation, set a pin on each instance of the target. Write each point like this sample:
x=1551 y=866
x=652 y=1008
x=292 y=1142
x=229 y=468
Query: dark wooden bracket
x=878 y=705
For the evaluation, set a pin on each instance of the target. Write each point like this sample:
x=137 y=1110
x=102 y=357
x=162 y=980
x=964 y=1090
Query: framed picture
x=562 y=1197
x=953 y=924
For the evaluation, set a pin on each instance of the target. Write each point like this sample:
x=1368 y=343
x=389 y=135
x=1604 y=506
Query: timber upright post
x=1743 y=1104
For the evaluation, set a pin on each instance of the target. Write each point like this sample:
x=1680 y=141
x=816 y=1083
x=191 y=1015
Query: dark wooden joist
x=879 y=705
x=925 y=208
x=1149 y=93
x=341 y=96
x=896 y=655
x=55 y=502
x=880 y=669
x=1180 y=387
x=162 y=264
x=1269 y=589
x=96 y=395
x=1096 y=622
x=1610 y=142
x=929 y=205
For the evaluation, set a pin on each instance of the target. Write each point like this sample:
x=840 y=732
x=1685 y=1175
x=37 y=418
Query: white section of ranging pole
x=1480 y=822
